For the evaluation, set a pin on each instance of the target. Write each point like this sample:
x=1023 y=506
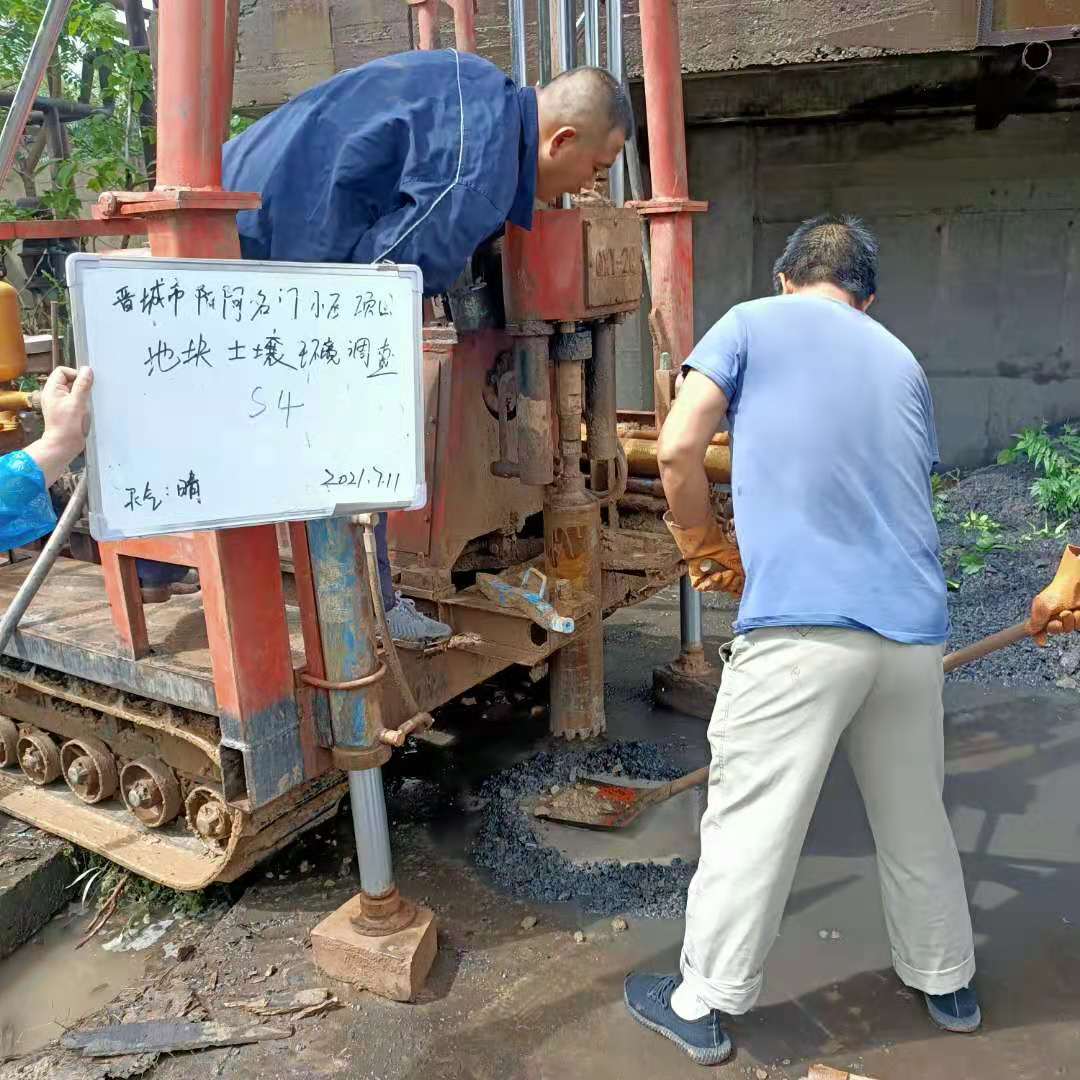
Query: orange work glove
x=712 y=560
x=1056 y=610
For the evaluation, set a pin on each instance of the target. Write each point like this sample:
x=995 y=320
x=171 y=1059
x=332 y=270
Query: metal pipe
x=567 y=36
x=372 y=831
x=69 y=111
x=592 y=32
x=44 y=562
x=52 y=24
x=671 y=232
x=600 y=409
x=465 y=25
x=232 y=33
x=191 y=93
x=637 y=193
x=427 y=22
x=517 y=41
x=690 y=638
x=535 y=450
x=543 y=40
x=347 y=630
x=617 y=173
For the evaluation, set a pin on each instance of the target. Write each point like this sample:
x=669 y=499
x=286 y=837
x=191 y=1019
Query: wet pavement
x=506 y=1002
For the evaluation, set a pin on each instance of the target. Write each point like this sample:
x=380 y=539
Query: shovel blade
x=594 y=804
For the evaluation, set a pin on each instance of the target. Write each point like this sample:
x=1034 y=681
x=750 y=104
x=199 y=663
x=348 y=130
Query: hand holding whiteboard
x=233 y=392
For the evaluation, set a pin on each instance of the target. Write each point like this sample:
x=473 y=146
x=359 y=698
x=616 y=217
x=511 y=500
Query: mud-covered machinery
x=187 y=740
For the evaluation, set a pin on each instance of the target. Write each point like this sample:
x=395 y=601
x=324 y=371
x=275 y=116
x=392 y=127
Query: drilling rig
x=189 y=740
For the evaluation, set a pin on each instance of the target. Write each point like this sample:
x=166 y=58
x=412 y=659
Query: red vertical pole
x=465 y=25
x=427 y=21
x=670 y=207
x=189 y=216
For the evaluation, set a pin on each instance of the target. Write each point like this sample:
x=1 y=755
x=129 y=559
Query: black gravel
x=507 y=847
x=1001 y=594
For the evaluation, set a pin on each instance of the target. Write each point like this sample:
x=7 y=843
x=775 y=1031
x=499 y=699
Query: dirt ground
x=504 y=1002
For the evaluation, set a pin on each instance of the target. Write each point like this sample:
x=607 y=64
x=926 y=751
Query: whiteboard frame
x=80 y=264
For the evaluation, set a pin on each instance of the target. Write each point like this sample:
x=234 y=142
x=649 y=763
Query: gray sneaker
x=409 y=627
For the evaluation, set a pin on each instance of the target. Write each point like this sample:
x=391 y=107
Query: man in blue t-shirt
x=840 y=632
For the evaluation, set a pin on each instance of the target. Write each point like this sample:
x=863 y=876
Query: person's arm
x=438 y=231
x=684 y=439
x=65 y=405
x=26 y=511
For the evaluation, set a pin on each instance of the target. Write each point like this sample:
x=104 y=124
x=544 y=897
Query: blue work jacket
x=414 y=158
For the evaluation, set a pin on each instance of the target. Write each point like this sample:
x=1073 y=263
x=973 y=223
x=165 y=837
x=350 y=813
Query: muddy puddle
x=47 y=984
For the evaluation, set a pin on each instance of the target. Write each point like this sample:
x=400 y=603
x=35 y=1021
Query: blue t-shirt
x=833 y=442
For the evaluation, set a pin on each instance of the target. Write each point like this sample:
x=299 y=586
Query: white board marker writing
x=236 y=392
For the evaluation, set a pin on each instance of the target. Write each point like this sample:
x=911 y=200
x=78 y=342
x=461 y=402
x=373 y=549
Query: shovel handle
x=693 y=779
x=988 y=645
x=954 y=660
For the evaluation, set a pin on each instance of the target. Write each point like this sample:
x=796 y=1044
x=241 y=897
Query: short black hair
x=598 y=92
x=835 y=248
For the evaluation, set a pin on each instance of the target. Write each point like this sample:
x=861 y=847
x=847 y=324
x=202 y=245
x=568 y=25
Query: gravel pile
x=1001 y=594
x=507 y=847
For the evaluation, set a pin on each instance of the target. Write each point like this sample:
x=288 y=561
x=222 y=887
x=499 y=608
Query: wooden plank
x=167 y=1037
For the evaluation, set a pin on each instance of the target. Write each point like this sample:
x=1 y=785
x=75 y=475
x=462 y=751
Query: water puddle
x=47 y=984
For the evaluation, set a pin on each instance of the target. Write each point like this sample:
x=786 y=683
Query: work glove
x=712 y=560
x=1056 y=610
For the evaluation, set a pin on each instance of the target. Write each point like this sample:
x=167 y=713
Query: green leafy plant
x=940 y=486
x=1057 y=459
x=984 y=537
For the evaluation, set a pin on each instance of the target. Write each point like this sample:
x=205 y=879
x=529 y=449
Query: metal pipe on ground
x=52 y=25
x=642 y=459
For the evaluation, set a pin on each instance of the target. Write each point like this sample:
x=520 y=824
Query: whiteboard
x=236 y=392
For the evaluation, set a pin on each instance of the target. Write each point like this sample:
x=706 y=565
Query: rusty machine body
x=190 y=739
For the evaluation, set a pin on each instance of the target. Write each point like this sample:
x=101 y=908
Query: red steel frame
x=188 y=215
x=669 y=209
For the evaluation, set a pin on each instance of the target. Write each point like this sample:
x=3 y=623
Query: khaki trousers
x=788 y=696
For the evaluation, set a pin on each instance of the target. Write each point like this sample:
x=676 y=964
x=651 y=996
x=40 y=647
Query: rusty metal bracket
x=357 y=758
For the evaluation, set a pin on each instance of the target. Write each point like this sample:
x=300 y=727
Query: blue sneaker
x=648 y=997
x=958 y=1011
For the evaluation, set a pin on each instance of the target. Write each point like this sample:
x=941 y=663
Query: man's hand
x=712 y=560
x=1056 y=610
x=65 y=404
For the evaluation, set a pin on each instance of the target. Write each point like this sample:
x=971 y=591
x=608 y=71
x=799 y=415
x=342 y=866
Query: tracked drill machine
x=190 y=739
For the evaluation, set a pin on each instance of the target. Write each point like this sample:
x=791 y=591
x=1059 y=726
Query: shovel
x=603 y=804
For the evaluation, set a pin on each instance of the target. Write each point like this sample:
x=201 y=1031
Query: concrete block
x=394 y=966
x=34 y=871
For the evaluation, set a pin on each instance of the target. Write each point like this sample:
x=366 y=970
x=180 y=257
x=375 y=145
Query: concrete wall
x=287 y=45
x=980 y=260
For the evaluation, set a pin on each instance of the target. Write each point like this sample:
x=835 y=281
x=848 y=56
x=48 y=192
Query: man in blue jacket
x=419 y=158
